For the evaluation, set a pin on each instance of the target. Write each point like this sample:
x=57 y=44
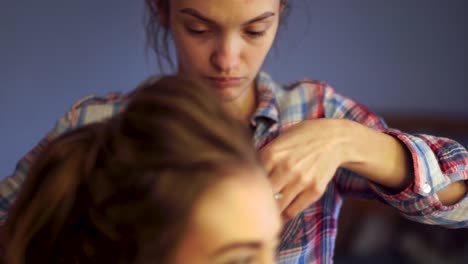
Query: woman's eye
x=194 y=31
x=255 y=34
x=244 y=260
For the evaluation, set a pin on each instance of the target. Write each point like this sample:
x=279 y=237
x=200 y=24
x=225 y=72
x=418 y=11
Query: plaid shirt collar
x=267 y=106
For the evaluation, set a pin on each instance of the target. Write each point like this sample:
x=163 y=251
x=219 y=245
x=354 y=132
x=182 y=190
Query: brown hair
x=122 y=191
x=158 y=34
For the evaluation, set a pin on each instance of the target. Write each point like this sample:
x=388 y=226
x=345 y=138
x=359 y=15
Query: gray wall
x=391 y=55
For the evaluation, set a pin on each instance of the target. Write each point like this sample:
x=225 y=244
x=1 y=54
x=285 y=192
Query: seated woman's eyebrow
x=194 y=13
x=254 y=245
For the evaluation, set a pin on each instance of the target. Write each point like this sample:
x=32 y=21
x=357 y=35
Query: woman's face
x=222 y=43
x=235 y=222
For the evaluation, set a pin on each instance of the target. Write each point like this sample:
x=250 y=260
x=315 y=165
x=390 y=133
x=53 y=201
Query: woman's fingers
x=280 y=176
x=289 y=193
x=302 y=201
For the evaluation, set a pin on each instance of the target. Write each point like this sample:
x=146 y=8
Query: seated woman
x=157 y=183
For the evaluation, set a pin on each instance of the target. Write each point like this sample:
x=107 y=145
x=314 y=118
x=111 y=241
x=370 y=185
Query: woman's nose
x=226 y=57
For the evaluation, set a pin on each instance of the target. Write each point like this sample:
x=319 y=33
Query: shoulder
x=93 y=108
x=307 y=97
x=311 y=88
x=307 y=89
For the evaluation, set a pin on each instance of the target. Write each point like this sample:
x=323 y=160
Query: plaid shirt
x=310 y=237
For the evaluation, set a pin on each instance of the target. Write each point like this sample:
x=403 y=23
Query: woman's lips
x=225 y=82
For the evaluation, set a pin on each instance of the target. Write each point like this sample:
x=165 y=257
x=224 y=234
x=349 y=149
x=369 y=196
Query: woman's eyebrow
x=259 y=18
x=237 y=245
x=194 y=13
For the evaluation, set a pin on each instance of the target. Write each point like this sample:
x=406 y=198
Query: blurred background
x=406 y=60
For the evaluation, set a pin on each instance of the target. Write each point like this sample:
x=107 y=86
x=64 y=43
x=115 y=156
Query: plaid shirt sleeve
x=86 y=110
x=437 y=162
x=10 y=185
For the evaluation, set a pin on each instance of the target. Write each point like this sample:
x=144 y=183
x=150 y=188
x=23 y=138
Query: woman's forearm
x=385 y=160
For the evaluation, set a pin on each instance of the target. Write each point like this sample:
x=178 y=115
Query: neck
x=243 y=107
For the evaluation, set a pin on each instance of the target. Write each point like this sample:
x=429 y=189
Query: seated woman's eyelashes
x=242 y=260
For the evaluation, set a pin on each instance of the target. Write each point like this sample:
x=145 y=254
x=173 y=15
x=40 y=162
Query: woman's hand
x=303 y=160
